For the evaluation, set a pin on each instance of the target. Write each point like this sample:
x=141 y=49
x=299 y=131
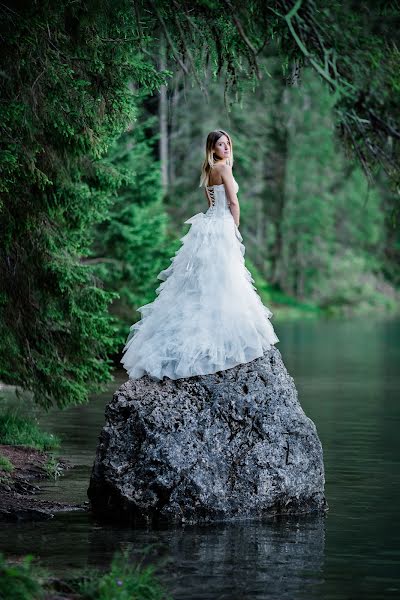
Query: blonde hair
x=209 y=160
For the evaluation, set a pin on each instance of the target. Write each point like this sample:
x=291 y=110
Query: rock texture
x=226 y=446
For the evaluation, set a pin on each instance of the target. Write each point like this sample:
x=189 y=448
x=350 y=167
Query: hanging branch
x=168 y=38
x=340 y=85
x=139 y=26
x=385 y=125
x=188 y=52
x=249 y=45
x=361 y=157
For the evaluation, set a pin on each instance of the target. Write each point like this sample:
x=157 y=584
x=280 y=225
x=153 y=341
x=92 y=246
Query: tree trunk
x=163 y=117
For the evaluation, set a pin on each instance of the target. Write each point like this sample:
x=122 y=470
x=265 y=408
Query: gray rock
x=228 y=446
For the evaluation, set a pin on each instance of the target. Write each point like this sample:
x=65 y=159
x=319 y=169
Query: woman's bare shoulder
x=219 y=173
x=225 y=170
x=226 y=173
x=222 y=168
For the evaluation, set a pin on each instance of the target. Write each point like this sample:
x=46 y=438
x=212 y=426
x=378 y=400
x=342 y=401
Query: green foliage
x=21 y=581
x=65 y=70
x=333 y=226
x=132 y=245
x=53 y=467
x=313 y=167
x=124 y=581
x=350 y=284
x=352 y=46
x=288 y=307
x=22 y=430
x=6 y=464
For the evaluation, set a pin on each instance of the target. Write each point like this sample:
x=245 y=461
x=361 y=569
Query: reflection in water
x=348 y=380
x=245 y=560
x=280 y=558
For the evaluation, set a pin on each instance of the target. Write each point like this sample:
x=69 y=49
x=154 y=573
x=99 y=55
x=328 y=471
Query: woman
x=207 y=316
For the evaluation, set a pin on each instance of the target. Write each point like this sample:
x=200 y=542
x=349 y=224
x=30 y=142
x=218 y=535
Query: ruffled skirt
x=207 y=316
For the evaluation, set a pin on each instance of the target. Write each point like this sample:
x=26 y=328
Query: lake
x=347 y=373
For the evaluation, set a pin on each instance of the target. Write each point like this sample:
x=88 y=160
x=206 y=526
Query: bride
x=207 y=315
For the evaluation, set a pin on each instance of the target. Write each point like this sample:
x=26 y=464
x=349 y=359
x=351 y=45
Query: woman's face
x=222 y=148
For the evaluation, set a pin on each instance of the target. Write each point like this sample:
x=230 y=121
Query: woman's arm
x=229 y=182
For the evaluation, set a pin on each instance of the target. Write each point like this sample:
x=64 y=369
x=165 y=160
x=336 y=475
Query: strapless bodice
x=219 y=200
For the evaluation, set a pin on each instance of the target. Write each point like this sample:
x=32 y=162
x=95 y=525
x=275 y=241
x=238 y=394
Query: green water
x=348 y=378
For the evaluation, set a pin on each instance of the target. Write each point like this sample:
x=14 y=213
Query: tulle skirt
x=207 y=315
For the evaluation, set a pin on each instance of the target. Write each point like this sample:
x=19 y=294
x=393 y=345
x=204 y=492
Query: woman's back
x=215 y=177
x=219 y=204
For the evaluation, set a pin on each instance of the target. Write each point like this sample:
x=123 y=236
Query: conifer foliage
x=133 y=244
x=64 y=68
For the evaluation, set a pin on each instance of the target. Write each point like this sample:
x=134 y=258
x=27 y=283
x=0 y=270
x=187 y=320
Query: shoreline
x=20 y=490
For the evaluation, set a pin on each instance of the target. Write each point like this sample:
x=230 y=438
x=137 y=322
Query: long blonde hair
x=209 y=160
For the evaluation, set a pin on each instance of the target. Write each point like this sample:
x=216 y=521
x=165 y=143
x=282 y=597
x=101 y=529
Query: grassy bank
x=23 y=430
x=285 y=307
x=26 y=457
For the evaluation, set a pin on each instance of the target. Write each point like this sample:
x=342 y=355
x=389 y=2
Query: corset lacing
x=219 y=204
x=211 y=195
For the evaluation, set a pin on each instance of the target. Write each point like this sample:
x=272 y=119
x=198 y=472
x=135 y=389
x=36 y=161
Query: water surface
x=348 y=378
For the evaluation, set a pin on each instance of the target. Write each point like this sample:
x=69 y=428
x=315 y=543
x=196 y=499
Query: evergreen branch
x=169 y=38
x=361 y=157
x=386 y=126
x=338 y=86
x=188 y=52
x=249 y=45
x=140 y=31
x=99 y=260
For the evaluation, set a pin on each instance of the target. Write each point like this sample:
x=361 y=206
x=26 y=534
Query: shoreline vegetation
x=381 y=300
x=26 y=579
x=27 y=457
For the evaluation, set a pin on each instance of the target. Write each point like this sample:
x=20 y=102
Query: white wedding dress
x=207 y=315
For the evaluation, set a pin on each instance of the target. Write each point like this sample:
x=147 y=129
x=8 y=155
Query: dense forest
x=105 y=109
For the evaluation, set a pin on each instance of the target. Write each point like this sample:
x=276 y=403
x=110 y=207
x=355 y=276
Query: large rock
x=227 y=446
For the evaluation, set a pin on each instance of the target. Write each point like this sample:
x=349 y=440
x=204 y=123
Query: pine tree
x=133 y=244
x=65 y=70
